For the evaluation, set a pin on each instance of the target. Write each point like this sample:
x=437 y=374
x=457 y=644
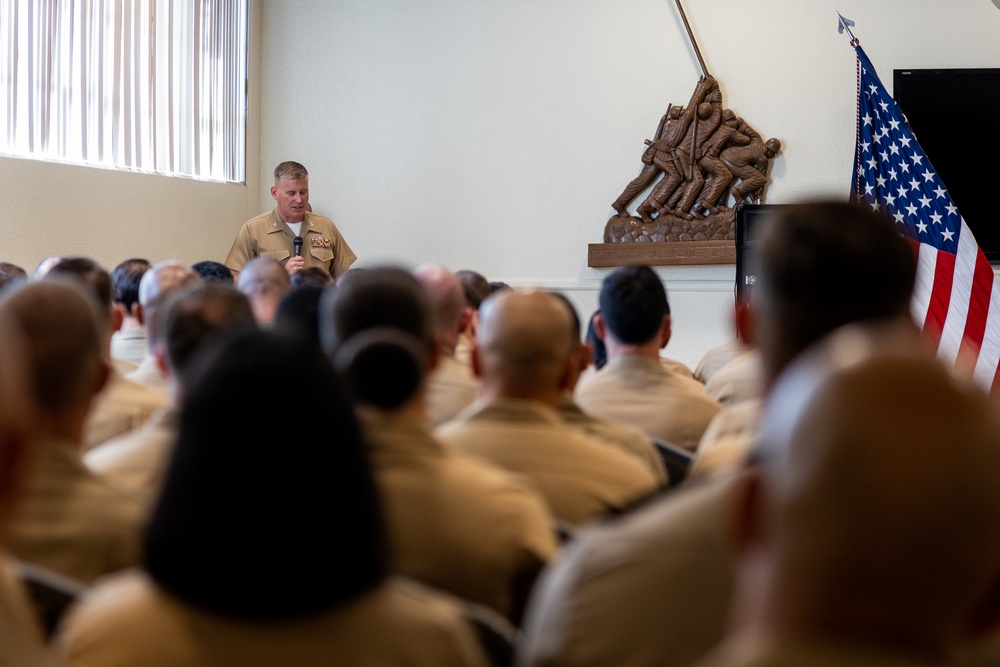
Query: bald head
x=16 y=416
x=448 y=299
x=265 y=282
x=523 y=345
x=880 y=509
x=59 y=323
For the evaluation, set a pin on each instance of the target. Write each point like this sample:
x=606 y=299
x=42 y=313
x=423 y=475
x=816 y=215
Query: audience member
x=298 y=312
x=265 y=283
x=451 y=387
x=742 y=379
x=123 y=404
x=454 y=521
x=312 y=275
x=11 y=275
x=844 y=556
x=523 y=360
x=634 y=386
x=476 y=289
x=128 y=344
x=291 y=222
x=188 y=320
x=20 y=634
x=69 y=521
x=598 y=353
x=295 y=575
x=158 y=283
x=653 y=588
x=213 y=272
x=45 y=266
x=717 y=357
x=628 y=438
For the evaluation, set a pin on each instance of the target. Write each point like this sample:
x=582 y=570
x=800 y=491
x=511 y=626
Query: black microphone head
x=297 y=246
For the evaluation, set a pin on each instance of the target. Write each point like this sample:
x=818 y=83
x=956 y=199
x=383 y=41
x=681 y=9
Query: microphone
x=297 y=246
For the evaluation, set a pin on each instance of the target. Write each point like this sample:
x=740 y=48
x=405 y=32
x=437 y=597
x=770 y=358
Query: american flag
x=955 y=300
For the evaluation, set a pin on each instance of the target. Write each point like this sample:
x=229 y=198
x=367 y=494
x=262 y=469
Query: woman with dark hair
x=456 y=522
x=266 y=546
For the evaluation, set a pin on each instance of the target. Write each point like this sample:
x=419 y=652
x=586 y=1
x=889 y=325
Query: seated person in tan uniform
x=265 y=549
x=186 y=322
x=454 y=521
x=69 y=521
x=162 y=280
x=274 y=234
x=634 y=387
x=653 y=588
x=123 y=405
x=628 y=438
x=451 y=386
x=265 y=284
x=128 y=344
x=523 y=358
x=20 y=633
x=871 y=534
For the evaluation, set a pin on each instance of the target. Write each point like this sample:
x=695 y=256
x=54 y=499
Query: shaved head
x=159 y=282
x=265 y=282
x=448 y=300
x=882 y=517
x=523 y=344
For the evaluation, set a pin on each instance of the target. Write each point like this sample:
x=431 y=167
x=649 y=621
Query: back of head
x=312 y=276
x=265 y=282
x=258 y=518
x=125 y=279
x=211 y=271
x=447 y=298
x=475 y=287
x=192 y=318
x=633 y=304
x=298 y=312
x=523 y=343
x=820 y=266
x=59 y=324
x=376 y=326
x=883 y=493
x=157 y=284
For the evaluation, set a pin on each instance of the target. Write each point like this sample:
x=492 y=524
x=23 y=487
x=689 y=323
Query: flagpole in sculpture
x=956 y=301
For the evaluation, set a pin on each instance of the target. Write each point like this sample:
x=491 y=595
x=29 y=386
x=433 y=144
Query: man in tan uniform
x=522 y=357
x=122 y=405
x=451 y=385
x=454 y=521
x=871 y=535
x=20 y=634
x=633 y=386
x=186 y=322
x=69 y=521
x=653 y=589
x=274 y=234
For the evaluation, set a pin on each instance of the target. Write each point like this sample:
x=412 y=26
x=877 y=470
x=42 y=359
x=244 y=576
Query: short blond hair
x=293 y=171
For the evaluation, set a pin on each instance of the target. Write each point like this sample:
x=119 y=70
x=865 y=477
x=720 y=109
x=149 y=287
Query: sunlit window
x=146 y=85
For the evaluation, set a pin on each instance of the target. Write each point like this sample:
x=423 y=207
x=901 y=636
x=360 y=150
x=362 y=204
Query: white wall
x=495 y=134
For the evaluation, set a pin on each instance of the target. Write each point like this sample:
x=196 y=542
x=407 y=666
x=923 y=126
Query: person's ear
x=477 y=362
x=274 y=192
x=465 y=319
x=161 y=361
x=117 y=318
x=139 y=313
x=665 y=331
x=586 y=356
x=600 y=327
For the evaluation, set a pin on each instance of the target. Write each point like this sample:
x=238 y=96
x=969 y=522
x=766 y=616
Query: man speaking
x=291 y=233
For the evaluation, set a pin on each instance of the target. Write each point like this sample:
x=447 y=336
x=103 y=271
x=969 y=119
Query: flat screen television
x=943 y=107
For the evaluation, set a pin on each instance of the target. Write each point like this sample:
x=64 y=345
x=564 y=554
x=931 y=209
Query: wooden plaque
x=661 y=254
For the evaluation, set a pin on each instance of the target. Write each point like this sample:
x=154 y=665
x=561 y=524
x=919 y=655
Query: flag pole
x=844 y=24
x=694 y=42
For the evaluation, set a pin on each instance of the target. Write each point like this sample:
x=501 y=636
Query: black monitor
x=748 y=218
x=941 y=106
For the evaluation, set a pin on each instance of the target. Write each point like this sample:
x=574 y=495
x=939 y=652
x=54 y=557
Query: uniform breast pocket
x=321 y=257
x=280 y=254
